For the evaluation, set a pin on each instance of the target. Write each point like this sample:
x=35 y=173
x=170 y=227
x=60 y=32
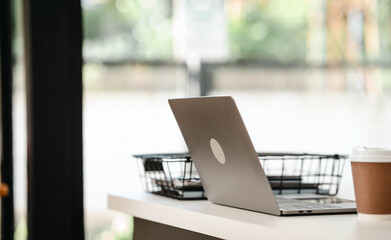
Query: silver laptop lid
x=223 y=153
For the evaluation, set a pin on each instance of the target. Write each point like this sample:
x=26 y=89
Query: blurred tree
x=384 y=22
x=266 y=30
x=270 y=30
x=127 y=29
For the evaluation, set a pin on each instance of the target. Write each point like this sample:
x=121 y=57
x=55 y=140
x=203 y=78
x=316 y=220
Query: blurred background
x=307 y=75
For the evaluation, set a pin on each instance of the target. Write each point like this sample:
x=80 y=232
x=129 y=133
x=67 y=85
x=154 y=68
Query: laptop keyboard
x=293 y=204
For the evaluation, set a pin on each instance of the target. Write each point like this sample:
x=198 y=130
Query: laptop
x=228 y=164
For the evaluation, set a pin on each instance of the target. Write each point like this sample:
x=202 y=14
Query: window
x=309 y=76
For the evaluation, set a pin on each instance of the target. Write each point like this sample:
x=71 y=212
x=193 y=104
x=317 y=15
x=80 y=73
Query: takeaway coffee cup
x=371 y=168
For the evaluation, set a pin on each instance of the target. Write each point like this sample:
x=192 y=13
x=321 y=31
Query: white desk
x=231 y=223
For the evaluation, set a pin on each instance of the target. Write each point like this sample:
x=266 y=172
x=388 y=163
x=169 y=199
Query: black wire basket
x=174 y=174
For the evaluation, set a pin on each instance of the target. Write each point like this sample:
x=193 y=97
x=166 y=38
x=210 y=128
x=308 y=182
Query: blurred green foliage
x=384 y=21
x=125 y=233
x=123 y=29
x=271 y=30
x=266 y=30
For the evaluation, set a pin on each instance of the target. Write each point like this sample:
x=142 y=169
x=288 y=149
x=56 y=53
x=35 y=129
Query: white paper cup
x=371 y=168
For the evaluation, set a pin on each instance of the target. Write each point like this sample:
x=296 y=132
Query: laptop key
x=293 y=204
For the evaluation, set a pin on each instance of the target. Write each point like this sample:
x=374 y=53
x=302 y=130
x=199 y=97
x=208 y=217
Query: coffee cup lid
x=370 y=154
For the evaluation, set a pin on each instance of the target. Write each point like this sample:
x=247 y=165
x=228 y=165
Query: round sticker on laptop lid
x=217 y=151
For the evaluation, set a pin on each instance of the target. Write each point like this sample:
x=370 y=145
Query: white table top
x=231 y=223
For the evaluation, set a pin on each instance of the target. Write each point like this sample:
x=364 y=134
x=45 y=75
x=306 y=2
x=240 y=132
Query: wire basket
x=174 y=174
